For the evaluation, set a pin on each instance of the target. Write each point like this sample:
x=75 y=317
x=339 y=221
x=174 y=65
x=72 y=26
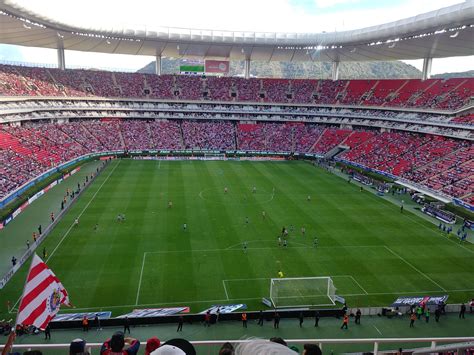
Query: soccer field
x=372 y=252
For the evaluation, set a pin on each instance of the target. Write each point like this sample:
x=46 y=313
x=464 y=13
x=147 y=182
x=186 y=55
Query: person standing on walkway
x=47 y=332
x=427 y=315
x=301 y=317
x=462 y=311
x=126 y=325
x=207 y=319
x=97 y=322
x=412 y=320
x=316 y=319
x=180 y=324
x=244 y=320
x=218 y=313
x=85 y=324
x=345 y=322
x=260 y=319
x=276 y=321
x=419 y=312
x=357 y=317
x=437 y=314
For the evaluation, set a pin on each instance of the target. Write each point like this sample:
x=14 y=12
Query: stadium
x=203 y=195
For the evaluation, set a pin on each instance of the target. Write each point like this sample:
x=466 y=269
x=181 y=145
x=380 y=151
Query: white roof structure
x=446 y=32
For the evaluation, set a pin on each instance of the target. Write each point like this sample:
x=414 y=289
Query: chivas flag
x=42 y=296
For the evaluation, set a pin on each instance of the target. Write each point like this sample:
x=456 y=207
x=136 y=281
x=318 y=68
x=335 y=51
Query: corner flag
x=42 y=296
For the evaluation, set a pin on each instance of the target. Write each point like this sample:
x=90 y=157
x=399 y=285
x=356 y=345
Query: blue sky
x=248 y=15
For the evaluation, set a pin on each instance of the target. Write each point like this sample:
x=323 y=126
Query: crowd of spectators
x=209 y=135
x=445 y=94
x=441 y=163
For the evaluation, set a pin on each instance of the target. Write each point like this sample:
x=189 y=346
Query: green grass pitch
x=372 y=251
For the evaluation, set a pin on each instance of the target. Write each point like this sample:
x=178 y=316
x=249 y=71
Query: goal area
x=302 y=292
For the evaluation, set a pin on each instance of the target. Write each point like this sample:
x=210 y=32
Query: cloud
x=331 y=3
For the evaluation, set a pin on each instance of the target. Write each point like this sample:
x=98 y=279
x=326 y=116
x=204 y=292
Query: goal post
x=302 y=291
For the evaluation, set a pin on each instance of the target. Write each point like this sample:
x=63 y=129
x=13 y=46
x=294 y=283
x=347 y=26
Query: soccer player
x=303 y=231
x=225 y=189
x=308 y=198
x=279 y=241
x=264 y=215
x=280 y=274
x=254 y=190
x=246 y=220
x=96 y=227
x=170 y=204
x=285 y=243
x=76 y=222
x=185 y=226
x=245 y=247
x=315 y=242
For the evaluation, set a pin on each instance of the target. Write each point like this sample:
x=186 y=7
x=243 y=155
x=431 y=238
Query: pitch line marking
x=358 y=284
x=377 y=329
x=72 y=225
x=225 y=289
x=140 y=280
x=415 y=268
x=353 y=279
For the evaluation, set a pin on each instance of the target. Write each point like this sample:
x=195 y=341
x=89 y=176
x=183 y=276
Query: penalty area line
x=141 y=276
x=225 y=289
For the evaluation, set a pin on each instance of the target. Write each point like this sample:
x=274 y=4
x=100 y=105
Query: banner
x=418 y=300
x=80 y=316
x=217 y=66
x=267 y=302
x=469 y=224
x=155 y=312
x=225 y=308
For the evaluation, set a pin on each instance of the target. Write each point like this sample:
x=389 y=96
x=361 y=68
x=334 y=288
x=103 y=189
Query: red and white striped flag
x=42 y=296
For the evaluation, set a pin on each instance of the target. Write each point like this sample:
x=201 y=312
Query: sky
x=242 y=15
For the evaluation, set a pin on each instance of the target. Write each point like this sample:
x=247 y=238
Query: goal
x=302 y=292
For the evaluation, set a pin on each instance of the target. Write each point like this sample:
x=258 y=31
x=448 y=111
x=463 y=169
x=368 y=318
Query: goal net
x=302 y=292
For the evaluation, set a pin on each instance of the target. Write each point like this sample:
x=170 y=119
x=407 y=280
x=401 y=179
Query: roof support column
x=158 y=64
x=61 y=56
x=335 y=71
x=247 y=68
x=426 y=68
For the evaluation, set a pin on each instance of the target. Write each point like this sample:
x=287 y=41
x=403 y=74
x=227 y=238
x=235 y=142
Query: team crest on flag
x=42 y=296
x=54 y=301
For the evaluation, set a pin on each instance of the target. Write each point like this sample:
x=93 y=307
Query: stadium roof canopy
x=446 y=32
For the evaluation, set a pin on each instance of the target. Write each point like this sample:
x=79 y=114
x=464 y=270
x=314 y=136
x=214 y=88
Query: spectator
x=116 y=345
x=78 y=347
x=151 y=345
x=226 y=349
x=311 y=349
x=262 y=347
x=175 y=346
